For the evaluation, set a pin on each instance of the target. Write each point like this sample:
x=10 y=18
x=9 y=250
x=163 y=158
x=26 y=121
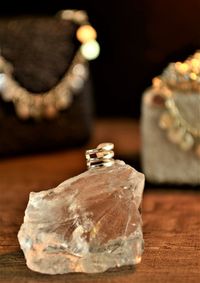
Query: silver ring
x=102 y=156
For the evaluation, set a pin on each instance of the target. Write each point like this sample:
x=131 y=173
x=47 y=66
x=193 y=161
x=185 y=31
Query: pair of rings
x=101 y=156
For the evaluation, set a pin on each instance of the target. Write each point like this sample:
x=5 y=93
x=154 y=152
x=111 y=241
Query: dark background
x=137 y=38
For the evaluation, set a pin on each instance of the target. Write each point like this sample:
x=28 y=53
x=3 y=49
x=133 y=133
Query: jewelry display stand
x=45 y=89
x=171 y=125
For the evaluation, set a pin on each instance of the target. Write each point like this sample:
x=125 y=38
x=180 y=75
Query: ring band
x=102 y=156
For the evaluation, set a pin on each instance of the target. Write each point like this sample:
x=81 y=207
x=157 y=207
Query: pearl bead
x=80 y=70
x=80 y=16
x=175 y=135
x=86 y=33
x=187 y=142
x=90 y=50
x=67 y=15
x=2 y=81
x=76 y=83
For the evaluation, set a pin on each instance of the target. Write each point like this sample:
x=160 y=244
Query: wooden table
x=171 y=215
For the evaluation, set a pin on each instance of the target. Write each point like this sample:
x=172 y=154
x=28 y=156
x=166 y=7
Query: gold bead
x=50 y=112
x=86 y=33
x=197 y=55
x=37 y=101
x=182 y=67
x=193 y=76
x=23 y=111
x=157 y=82
x=63 y=101
x=195 y=63
x=197 y=151
x=166 y=121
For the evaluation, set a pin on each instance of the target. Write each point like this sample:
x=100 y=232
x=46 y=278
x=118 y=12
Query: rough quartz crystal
x=89 y=223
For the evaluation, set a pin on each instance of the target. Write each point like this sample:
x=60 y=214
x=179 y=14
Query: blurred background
x=137 y=38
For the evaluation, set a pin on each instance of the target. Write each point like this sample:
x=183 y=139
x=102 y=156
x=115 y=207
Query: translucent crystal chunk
x=89 y=223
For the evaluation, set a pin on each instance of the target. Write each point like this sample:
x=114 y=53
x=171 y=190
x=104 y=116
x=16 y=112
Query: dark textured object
x=137 y=38
x=41 y=50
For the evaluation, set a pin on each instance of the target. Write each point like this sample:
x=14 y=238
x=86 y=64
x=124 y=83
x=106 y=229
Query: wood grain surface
x=171 y=219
